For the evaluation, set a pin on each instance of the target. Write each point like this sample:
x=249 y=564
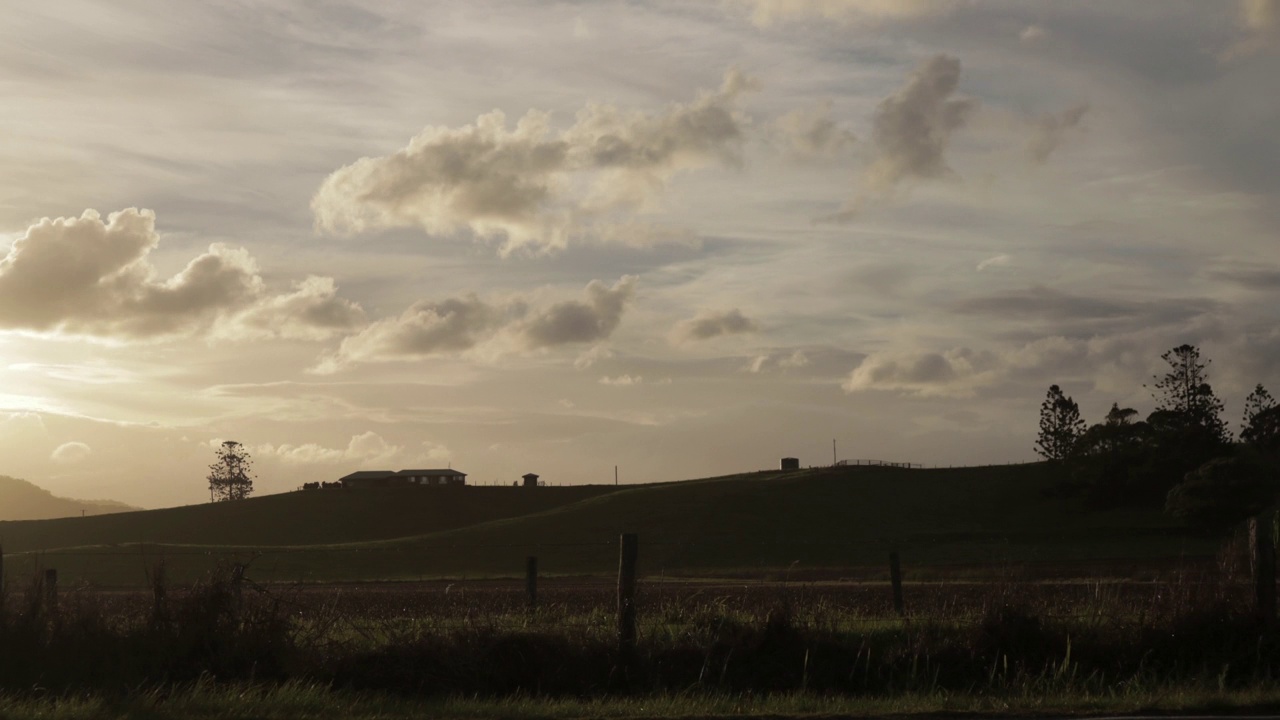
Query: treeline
x=1182 y=456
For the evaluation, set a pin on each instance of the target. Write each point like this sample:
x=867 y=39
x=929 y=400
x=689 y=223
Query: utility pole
x=833 y=452
x=615 y=475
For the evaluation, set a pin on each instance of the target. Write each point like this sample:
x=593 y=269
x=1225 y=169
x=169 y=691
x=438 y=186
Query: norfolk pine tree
x=1060 y=426
x=1261 y=425
x=231 y=477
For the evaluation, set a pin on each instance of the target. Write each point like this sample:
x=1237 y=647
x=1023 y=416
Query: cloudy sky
x=683 y=238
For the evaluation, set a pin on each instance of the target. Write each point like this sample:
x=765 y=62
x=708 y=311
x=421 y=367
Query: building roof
x=530 y=475
x=447 y=472
x=368 y=475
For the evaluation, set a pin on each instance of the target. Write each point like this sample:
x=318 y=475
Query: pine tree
x=1060 y=425
x=1185 y=395
x=231 y=477
x=1261 y=425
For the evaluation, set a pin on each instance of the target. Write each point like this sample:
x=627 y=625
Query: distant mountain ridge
x=22 y=500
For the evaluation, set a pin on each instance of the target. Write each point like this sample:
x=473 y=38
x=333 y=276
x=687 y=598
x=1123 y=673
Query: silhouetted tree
x=1223 y=491
x=1060 y=426
x=231 y=477
x=1185 y=394
x=1261 y=426
x=1109 y=453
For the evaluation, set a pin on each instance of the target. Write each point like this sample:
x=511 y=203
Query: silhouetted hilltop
x=22 y=500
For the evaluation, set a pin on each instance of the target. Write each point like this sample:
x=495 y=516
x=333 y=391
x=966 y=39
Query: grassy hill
x=21 y=500
x=760 y=523
x=297 y=518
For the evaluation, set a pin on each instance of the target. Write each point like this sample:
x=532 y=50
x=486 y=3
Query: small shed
x=790 y=463
x=530 y=480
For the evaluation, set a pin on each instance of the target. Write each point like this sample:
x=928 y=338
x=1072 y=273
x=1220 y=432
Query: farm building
x=403 y=478
x=530 y=480
x=790 y=463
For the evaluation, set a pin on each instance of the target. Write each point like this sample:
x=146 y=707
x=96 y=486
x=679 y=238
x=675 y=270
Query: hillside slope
x=762 y=523
x=22 y=500
x=297 y=518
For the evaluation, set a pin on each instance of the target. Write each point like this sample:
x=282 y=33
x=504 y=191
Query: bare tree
x=231 y=477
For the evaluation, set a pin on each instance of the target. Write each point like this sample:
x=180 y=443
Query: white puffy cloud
x=312 y=311
x=1050 y=130
x=70 y=453
x=457 y=325
x=527 y=185
x=622 y=380
x=712 y=324
x=368 y=447
x=85 y=276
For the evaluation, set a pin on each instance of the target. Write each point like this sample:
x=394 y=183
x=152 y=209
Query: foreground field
x=1185 y=641
x=831 y=522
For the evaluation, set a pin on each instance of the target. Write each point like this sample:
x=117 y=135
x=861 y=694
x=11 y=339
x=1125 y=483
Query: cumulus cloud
x=575 y=321
x=1111 y=363
x=312 y=311
x=1050 y=130
x=70 y=453
x=622 y=380
x=712 y=324
x=368 y=447
x=591 y=356
x=911 y=130
x=530 y=186
x=767 y=12
x=457 y=325
x=781 y=361
x=90 y=277
x=812 y=133
x=912 y=127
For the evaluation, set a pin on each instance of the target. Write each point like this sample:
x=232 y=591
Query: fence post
x=627 y=596
x=158 y=593
x=1261 y=542
x=895 y=578
x=51 y=590
x=531 y=582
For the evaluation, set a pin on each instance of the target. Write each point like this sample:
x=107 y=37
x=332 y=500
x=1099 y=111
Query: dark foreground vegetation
x=1190 y=634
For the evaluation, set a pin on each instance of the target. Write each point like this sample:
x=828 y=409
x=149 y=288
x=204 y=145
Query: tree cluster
x=1182 y=456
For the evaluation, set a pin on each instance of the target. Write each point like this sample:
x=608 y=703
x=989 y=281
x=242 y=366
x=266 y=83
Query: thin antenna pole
x=833 y=452
x=615 y=474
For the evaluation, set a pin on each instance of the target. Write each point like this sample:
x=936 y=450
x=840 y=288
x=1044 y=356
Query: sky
x=680 y=238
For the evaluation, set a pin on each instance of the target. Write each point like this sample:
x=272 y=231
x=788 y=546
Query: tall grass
x=1189 y=640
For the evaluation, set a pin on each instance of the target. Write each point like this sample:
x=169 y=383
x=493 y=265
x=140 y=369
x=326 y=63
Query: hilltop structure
x=403 y=478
